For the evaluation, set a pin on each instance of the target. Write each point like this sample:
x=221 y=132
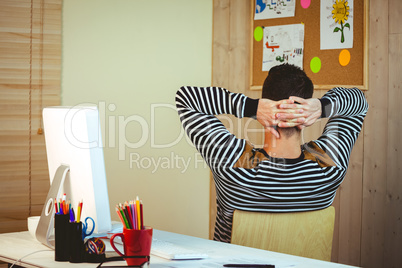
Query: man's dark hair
x=287 y=80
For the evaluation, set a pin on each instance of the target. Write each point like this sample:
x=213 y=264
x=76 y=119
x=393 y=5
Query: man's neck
x=284 y=147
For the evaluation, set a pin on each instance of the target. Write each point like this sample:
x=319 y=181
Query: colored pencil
x=132 y=209
x=79 y=211
x=126 y=213
x=72 y=216
x=56 y=208
x=141 y=217
x=124 y=217
x=137 y=203
x=119 y=214
x=131 y=214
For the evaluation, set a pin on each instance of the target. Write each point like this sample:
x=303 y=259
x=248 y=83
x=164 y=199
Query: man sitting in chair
x=283 y=176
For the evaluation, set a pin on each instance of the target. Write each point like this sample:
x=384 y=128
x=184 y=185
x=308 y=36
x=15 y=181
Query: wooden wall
x=382 y=191
x=368 y=229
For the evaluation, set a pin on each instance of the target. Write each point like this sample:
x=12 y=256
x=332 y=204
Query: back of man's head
x=284 y=81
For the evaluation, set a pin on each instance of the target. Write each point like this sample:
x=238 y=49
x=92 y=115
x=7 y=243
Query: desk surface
x=14 y=246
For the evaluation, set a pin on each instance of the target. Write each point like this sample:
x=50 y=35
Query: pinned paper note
x=272 y=9
x=336 y=24
x=283 y=44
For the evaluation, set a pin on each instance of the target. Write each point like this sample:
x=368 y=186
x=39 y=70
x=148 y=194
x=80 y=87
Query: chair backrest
x=306 y=234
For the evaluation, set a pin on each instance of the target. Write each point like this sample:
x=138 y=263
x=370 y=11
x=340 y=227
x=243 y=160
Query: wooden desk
x=13 y=246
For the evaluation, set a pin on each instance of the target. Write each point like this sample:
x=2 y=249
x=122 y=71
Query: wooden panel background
x=368 y=227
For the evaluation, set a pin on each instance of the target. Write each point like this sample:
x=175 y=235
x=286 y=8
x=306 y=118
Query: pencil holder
x=62 y=237
x=136 y=245
x=76 y=242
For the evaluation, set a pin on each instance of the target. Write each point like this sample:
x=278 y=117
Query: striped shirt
x=247 y=178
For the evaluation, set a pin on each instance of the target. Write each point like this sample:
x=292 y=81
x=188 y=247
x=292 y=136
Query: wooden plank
x=375 y=140
x=350 y=220
x=220 y=48
x=239 y=45
x=220 y=77
x=212 y=206
x=239 y=55
x=395 y=19
x=335 y=241
x=393 y=208
x=257 y=131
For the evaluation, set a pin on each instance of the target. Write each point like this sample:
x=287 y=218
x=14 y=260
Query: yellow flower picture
x=341 y=11
x=340 y=15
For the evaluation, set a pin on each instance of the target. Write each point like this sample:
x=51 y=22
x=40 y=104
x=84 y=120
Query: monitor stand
x=46 y=222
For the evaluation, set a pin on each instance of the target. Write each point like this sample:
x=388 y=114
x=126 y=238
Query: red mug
x=135 y=243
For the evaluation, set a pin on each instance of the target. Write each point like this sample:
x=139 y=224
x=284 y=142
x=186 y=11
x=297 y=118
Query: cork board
x=332 y=73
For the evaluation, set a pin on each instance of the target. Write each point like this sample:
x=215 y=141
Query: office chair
x=306 y=234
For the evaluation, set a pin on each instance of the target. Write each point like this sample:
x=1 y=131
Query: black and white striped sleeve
x=197 y=107
x=346 y=109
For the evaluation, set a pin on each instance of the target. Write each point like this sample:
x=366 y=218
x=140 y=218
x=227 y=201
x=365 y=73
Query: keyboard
x=171 y=251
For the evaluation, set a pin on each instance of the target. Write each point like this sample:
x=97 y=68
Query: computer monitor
x=76 y=166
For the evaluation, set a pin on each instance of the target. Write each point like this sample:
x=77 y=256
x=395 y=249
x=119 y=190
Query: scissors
x=85 y=227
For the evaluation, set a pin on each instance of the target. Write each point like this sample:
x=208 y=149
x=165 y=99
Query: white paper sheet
x=283 y=44
x=336 y=19
x=271 y=9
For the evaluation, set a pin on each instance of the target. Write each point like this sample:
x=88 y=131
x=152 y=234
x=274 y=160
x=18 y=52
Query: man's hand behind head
x=310 y=110
x=283 y=113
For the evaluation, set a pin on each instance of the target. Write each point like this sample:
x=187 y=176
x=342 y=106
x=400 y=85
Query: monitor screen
x=73 y=138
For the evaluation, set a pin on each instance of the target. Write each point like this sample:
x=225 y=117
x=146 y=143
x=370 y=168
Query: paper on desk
x=219 y=262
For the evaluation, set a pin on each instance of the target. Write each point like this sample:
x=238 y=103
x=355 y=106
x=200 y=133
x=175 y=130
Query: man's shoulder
x=314 y=153
x=250 y=158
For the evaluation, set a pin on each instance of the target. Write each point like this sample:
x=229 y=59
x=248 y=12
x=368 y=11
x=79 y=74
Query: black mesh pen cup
x=62 y=237
x=76 y=242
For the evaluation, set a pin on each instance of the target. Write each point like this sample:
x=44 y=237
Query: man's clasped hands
x=292 y=112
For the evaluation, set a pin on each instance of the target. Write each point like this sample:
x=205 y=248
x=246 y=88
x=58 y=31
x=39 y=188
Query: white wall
x=129 y=57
